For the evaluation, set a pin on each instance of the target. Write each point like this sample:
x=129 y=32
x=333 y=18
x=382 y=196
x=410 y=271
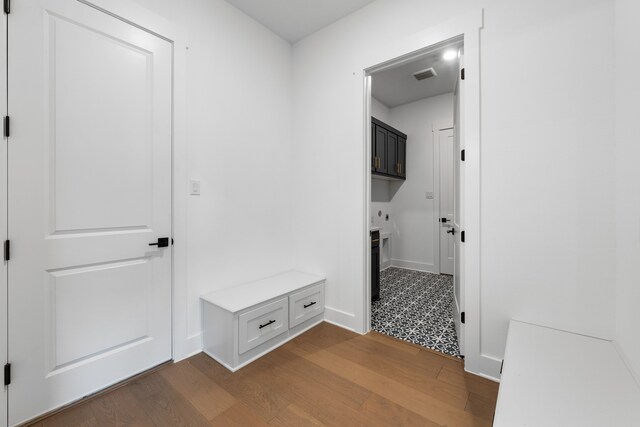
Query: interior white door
x=458 y=288
x=445 y=142
x=89 y=190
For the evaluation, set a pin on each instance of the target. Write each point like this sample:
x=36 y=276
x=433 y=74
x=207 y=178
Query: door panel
x=445 y=140
x=381 y=148
x=86 y=149
x=402 y=156
x=89 y=189
x=82 y=330
x=373 y=147
x=392 y=153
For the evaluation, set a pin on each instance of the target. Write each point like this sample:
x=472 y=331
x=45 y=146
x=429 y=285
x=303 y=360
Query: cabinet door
x=392 y=154
x=381 y=148
x=373 y=147
x=402 y=157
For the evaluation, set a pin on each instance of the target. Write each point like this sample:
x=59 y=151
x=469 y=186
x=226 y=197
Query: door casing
x=465 y=28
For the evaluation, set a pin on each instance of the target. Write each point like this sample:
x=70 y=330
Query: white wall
x=379 y=110
x=239 y=146
x=628 y=181
x=413 y=216
x=547 y=159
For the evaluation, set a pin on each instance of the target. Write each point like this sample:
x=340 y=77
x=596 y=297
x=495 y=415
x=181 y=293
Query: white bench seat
x=557 y=378
x=243 y=322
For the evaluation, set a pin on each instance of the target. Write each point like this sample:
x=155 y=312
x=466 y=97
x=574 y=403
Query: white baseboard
x=489 y=368
x=627 y=362
x=191 y=347
x=340 y=318
x=343 y=327
x=413 y=265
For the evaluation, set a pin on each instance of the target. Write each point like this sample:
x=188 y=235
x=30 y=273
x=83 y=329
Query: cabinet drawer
x=260 y=325
x=306 y=304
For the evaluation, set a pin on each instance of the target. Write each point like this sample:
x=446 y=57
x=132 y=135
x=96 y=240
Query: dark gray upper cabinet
x=388 y=150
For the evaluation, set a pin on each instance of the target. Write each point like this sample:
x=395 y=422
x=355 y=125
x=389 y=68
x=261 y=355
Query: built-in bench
x=243 y=322
x=557 y=378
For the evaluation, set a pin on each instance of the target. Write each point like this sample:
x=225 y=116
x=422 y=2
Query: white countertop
x=557 y=378
x=246 y=295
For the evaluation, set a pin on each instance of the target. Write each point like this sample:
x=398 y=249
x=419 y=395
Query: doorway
x=415 y=209
x=89 y=203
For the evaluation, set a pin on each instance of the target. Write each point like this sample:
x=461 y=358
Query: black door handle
x=452 y=231
x=309 y=305
x=162 y=242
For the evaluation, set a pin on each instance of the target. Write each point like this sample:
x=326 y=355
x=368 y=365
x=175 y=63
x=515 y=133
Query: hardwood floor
x=326 y=377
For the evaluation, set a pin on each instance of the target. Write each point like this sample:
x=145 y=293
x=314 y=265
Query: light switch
x=194 y=186
x=429 y=195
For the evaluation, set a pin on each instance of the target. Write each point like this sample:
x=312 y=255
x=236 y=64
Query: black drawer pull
x=309 y=305
x=267 y=324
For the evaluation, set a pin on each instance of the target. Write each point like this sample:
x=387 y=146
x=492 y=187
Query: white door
x=89 y=190
x=445 y=142
x=458 y=289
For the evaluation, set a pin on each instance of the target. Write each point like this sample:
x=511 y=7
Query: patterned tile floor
x=416 y=307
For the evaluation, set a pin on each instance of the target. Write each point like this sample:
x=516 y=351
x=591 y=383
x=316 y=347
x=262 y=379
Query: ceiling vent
x=425 y=74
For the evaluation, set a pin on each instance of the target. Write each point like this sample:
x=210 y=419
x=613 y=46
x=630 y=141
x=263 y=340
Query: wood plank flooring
x=326 y=377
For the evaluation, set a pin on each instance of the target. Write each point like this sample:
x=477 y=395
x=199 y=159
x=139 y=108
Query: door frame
x=4 y=331
x=147 y=20
x=466 y=28
x=435 y=132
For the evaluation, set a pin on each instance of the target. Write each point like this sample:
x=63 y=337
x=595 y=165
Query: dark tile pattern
x=416 y=307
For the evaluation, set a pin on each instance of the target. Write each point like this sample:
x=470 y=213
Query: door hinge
x=462 y=74
x=172 y=241
x=6 y=127
x=7 y=6
x=462 y=317
x=7 y=374
x=462 y=236
x=462 y=155
x=7 y=250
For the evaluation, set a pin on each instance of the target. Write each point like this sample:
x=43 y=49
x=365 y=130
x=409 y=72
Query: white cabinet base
x=243 y=323
x=259 y=351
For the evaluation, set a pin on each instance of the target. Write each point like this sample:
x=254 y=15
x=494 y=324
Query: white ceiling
x=293 y=20
x=397 y=86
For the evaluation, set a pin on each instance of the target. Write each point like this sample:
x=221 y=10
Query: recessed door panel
x=381 y=149
x=101 y=108
x=402 y=157
x=261 y=324
x=97 y=309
